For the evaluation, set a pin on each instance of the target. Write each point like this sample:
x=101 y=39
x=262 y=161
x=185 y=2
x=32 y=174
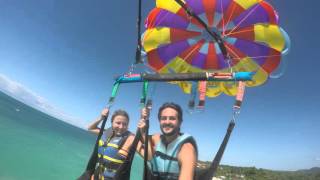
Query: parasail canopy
x=176 y=42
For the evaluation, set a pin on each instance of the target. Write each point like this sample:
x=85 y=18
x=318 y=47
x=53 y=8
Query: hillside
x=252 y=173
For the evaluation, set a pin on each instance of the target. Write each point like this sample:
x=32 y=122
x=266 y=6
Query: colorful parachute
x=176 y=42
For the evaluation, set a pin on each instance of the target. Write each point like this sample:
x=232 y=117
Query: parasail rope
x=250 y=12
x=223 y=25
x=139 y=46
x=216 y=37
x=229 y=19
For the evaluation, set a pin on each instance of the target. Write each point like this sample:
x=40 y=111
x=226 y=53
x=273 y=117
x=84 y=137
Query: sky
x=61 y=57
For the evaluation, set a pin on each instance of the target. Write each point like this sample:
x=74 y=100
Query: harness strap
x=192 y=95
x=236 y=110
x=146 y=142
x=202 y=93
x=239 y=96
x=165 y=157
x=113 y=93
x=169 y=176
x=144 y=93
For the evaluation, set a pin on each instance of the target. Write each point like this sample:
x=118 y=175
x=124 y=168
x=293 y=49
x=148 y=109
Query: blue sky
x=62 y=56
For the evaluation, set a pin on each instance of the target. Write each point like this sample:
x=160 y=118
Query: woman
x=113 y=145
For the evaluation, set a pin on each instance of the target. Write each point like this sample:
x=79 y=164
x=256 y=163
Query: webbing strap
x=240 y=94
x=193 y=94
x=146 y=142
x=113 y=93
x=236 y=110
x=144 y=93
x=215 y=163
x=202 y=93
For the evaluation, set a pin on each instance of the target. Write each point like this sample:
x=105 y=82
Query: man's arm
x=187 y=158
x=151 y=139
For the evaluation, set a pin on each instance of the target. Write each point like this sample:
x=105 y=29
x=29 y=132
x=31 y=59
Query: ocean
x=36 y=146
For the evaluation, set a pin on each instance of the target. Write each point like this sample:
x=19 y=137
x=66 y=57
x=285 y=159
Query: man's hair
x=173 y=106
x=120 y=112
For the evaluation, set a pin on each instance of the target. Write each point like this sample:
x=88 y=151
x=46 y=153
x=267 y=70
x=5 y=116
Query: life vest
x=164 y=164
x=108 y=158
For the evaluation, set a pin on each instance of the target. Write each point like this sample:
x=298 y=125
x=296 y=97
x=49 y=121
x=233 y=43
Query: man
x=172 y=154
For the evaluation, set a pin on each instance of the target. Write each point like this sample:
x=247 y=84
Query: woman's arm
x=93 y=127
x=126 y=146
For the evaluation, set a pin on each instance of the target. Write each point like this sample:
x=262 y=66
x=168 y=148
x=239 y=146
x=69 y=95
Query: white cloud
x=27 y=96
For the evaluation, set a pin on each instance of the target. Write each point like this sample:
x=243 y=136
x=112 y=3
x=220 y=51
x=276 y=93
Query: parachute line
x=242 y=20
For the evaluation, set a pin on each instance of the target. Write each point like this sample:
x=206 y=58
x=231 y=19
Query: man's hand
x=142 y=122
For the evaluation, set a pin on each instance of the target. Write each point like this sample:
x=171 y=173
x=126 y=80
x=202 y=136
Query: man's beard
x=173 y=132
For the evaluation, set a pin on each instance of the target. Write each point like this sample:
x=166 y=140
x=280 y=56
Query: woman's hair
x=120 y=112
x=173 y=106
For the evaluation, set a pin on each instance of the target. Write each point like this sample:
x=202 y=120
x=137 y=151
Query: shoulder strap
x=124 y=138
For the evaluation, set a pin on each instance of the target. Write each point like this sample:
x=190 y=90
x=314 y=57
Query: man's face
x=120 y=124
x=169 y=122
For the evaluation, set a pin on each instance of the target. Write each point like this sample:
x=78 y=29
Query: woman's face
x=120 y=124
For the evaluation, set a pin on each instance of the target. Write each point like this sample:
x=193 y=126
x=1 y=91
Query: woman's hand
x=104 y=113
x=93 y=127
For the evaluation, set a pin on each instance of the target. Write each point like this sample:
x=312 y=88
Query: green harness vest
x=165 y=164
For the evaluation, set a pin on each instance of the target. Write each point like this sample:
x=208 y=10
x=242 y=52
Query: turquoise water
x=37 y=146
